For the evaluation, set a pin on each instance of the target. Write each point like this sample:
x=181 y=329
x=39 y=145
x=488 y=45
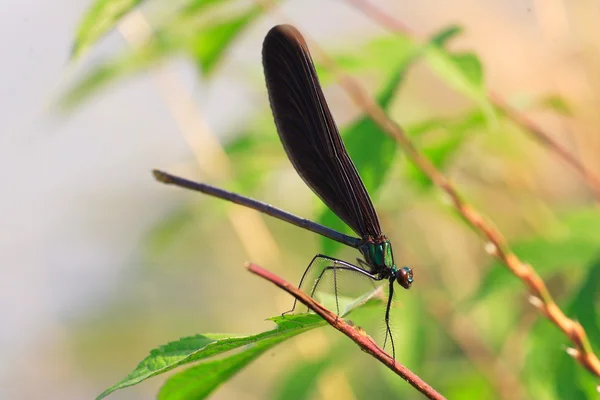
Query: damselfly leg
x=326 y=273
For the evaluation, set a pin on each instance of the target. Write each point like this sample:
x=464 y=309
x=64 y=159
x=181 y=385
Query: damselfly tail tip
x=161 y=176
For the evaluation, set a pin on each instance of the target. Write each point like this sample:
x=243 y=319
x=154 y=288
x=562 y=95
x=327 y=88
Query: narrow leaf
x=462 y=71
x=100 y=18
x=199 y=381
x=209 y=44
x=441 y=38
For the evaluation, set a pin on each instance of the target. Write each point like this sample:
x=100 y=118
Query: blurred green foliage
x=100 y=19
x=564 y=249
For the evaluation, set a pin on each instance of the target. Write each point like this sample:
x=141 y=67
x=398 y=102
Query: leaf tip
x=442 y=37
x=104 y=394
x=75 y=51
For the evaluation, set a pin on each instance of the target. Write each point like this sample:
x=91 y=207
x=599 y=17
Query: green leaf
x=195 y=348
x=441 y=38
x=199 y=381
x=206 y=377
x=99 y=19
x=470 y=66
x=453 y=132
x=570 y=246
x=462 y=71
x=209 y=44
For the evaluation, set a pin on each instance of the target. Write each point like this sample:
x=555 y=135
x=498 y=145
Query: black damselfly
x=313 y=144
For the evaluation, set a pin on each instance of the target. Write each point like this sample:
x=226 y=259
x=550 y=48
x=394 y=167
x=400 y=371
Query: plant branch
x=365 y=343
x=542 y=299
x=534 y=130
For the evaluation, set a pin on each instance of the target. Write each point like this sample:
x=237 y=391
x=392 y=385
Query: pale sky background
x=77 y=195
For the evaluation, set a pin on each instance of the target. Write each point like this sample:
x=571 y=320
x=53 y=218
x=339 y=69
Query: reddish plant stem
x=365 y=343
x=542 y=299
x=584 y=352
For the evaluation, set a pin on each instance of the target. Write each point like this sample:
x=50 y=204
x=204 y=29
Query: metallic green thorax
x=379 y=256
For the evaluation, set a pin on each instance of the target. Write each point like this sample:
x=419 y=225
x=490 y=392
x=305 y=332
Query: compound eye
x=405 y=277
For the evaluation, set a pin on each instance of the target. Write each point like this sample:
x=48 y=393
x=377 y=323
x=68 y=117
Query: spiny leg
x=367 y=267
x=388 y=331
x=341 y=265
x=318 y=256
x=335 y=290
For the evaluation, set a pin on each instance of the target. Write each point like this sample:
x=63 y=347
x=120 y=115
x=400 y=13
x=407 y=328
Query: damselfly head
x=404 y=277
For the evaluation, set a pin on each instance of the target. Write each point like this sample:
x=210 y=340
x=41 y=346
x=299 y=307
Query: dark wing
x=308 y=131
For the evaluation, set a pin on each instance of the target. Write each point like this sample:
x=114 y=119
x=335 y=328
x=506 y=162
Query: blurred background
x=100 y=263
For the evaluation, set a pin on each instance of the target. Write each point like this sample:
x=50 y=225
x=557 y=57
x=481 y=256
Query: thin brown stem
x=584 y=353
x=534 y=130
x=365 y=343
x=583 y=350
x=541 y=297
